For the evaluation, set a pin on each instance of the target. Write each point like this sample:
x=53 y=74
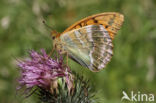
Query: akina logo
x=137 y=96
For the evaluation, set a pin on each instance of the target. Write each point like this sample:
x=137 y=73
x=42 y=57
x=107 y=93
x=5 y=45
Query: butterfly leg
x=67 y=58
x=66 y=55
x=51 y=52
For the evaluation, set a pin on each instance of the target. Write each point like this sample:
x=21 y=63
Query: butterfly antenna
x=44 y=22
x=51 y=29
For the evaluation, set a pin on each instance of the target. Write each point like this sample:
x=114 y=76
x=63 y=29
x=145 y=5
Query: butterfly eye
x=53 y=37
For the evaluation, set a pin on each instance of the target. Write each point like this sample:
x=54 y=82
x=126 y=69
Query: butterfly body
x=89 y=41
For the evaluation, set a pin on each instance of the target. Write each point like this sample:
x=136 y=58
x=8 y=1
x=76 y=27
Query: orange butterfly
x=89 y=41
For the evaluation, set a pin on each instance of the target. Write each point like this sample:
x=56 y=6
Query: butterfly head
x=54 y=34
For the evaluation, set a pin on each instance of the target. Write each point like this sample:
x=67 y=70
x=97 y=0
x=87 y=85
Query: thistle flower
x=54 y=81
x=42 y=71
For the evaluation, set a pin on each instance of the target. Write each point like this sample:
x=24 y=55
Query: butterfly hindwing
x=91 y=46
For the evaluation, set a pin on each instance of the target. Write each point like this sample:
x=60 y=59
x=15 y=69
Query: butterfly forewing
x=111 y=21
x=91 y=46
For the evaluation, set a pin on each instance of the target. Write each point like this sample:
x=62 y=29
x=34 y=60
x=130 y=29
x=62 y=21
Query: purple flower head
x=42 y=71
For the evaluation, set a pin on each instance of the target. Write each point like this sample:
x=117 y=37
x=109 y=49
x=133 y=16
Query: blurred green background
x=133 y=66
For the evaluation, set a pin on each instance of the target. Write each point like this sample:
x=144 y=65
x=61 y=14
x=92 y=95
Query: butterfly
x=89 y=41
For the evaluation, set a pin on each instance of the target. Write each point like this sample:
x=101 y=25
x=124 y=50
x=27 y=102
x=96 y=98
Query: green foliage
x=133 y=64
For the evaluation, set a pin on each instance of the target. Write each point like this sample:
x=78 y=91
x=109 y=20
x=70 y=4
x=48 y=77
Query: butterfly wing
x=111 y=21
x=91 y=46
